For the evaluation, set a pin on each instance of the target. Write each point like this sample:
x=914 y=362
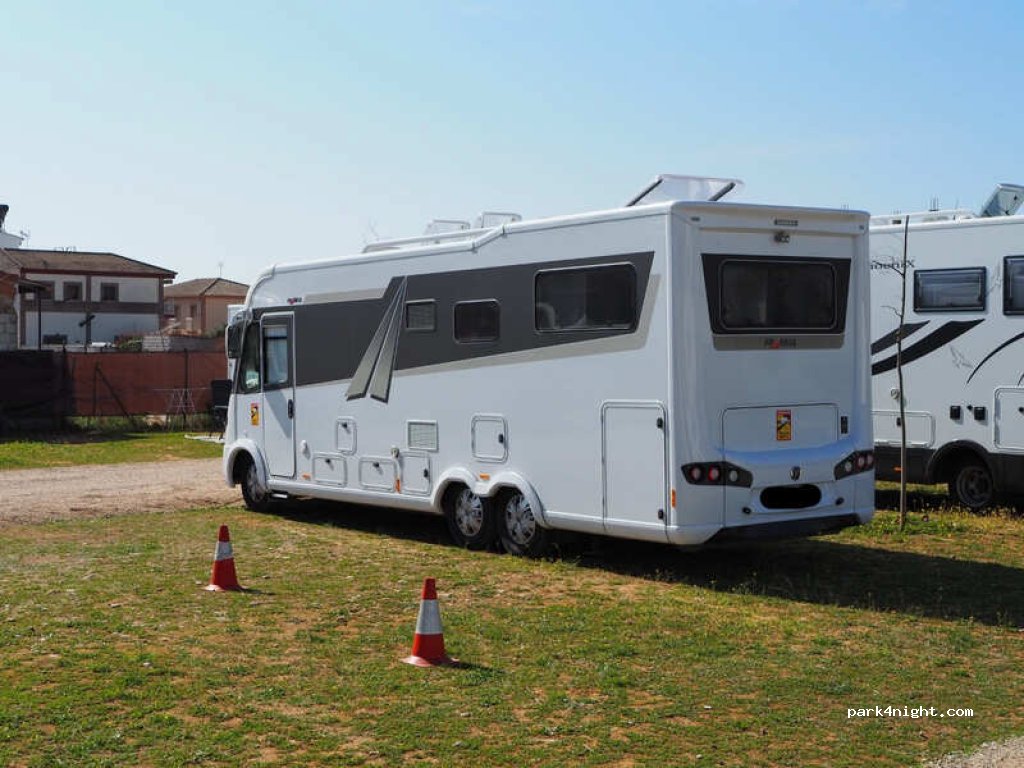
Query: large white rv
x=962 y=341
x=670 y=371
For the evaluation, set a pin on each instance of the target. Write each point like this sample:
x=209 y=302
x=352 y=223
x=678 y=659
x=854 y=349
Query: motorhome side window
x=477 y=321
x=249 y=367
x=1013 y=285
x=589 y=298
x=276 y=356
x=786 y=295
x=421 y=315
x=949 y=290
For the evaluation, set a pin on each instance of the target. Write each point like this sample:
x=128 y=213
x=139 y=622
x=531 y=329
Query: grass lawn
x=103 y=448
x=617 y=654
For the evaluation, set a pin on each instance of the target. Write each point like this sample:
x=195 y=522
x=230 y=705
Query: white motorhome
x=670 y=371
x=963 y=373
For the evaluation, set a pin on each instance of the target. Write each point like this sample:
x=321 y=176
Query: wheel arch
x=505 y=481
x=449 y=478
x=231 y=462
x=492 y=486
x=943 y=463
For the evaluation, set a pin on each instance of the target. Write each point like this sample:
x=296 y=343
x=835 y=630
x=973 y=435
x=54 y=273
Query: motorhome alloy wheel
x=469 y=513
x=471 y=519
x=519 y=519
x=520 y=533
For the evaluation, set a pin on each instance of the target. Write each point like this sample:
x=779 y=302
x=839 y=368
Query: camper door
x=277 y=342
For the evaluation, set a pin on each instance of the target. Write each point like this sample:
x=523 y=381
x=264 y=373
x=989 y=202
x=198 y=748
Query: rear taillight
x=855 y=463
x=717 y=473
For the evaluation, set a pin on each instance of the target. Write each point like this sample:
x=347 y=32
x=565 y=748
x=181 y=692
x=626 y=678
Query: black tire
x=472 y=520
x=520 y=530
x=256 y=497
x=972 y=486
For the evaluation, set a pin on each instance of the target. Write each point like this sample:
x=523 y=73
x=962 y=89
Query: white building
x=78 y=297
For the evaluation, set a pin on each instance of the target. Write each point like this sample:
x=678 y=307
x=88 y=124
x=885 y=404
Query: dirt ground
x=62 y=493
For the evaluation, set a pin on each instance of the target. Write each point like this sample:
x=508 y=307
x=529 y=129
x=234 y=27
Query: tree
x=901 y=312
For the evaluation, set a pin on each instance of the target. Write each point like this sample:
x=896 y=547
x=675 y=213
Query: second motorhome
x=675 y=370
x=963 y=337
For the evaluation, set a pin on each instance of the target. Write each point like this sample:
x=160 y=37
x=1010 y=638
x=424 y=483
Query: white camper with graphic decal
x=670 y=371
x=963 y=338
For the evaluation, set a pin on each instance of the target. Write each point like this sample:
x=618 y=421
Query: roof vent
x=669 y=187
x=1004 y=201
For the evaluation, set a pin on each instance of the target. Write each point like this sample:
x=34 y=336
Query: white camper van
x=670 y=371
x=963 y=335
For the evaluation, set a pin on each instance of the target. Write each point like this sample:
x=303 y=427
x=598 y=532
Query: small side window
x=421 y=315
x=1013 y=285
x=949 y=290
x=109 y=291
x=477 y=321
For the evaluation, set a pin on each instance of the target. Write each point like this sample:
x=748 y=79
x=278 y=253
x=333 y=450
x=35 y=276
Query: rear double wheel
x=472 y=520
x=521 y=533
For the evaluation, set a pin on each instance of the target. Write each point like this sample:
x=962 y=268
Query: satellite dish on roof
x=1004 y=201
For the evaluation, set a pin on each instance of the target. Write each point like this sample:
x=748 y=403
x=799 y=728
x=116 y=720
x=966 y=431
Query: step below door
x=634 y=453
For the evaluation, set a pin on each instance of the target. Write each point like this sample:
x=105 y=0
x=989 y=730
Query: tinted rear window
x=761 y=295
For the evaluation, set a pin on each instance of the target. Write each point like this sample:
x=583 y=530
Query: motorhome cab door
x=277 y=343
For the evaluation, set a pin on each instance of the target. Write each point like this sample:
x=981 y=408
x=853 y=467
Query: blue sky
x=187 y=134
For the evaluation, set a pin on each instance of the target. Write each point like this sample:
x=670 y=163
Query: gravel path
x=103 y=490
x=1002 y=754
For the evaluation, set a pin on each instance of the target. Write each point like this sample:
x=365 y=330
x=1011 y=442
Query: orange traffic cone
x=223 y=577
x=428 y=642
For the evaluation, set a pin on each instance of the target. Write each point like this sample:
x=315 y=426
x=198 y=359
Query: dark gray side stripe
x=350 y=339
x=893 y=336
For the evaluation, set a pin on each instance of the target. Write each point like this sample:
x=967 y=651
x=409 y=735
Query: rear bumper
x=779 y=526
x=786 y=529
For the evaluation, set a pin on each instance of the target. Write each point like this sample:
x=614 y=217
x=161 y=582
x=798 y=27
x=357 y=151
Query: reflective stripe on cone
x=223 y=577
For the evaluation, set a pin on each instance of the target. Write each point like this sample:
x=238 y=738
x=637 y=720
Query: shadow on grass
x=828 y=572
x=397 y=523
x=70 y=438
x=820 y=571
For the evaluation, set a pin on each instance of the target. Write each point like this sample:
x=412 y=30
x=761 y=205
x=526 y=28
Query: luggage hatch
x=781 y=427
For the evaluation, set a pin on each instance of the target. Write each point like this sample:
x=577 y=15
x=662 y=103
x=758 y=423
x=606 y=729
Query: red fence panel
x=136 y=383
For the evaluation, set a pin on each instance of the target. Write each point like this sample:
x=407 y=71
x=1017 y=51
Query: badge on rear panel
x=784 y=424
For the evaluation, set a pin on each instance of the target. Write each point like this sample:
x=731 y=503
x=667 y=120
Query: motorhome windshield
x=751 y=295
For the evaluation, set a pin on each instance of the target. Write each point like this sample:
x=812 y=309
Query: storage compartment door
x=1009 y=419
x=920 y=428
x=634 y=446
x=490 y=438
x=415 y=474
